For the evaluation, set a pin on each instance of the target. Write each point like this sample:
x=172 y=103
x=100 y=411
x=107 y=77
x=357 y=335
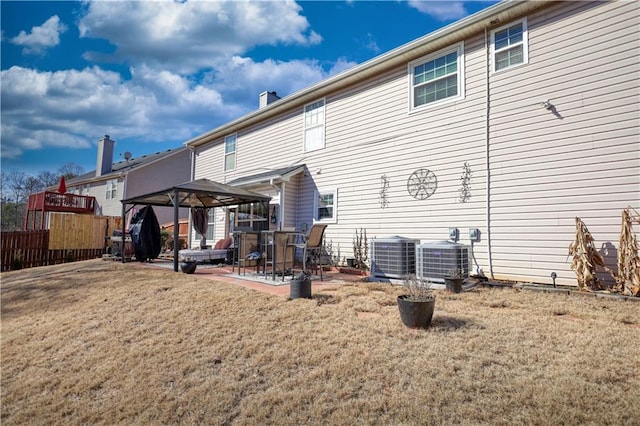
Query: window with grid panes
x=509 y=45
x=325 y=206
x=112 y=189
x=437 y=77
x=230 y=152
x=314 y=126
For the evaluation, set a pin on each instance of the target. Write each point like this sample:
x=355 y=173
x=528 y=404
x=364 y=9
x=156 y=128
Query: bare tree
x=48 y=178
x=70 y=170
x=15 y=186
x=32 y=185
x=13 y=197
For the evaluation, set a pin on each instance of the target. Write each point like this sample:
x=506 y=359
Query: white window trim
x=324 y=126
x=211 y=225
x=459 y=48
x=225 y=153
x=525 y=45
x=316 y=194
x=111 y=186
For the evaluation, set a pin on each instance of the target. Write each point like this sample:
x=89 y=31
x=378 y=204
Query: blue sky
x=155 y=74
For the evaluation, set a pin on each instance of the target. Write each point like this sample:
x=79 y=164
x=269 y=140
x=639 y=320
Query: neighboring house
x=514 y=121
x=112 y=182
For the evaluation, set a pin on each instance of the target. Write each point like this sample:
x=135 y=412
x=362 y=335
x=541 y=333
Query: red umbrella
x=62 y=186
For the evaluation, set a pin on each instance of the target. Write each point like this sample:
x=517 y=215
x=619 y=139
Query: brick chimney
x=268 y=97
x=105 y=156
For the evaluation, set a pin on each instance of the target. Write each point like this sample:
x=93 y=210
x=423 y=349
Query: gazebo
x=198 y=193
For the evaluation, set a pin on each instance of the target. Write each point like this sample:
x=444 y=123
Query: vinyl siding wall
x=582 y=161
x=161 y=174
x=112 y=206
x=545 y=168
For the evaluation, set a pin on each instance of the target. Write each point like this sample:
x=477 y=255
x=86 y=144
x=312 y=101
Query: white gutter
x=459 y=30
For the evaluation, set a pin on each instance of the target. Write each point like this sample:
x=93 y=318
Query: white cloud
x=189 y=74
x=191 y=36
x=41 y=38
x=442 y=10
x=41 y=109
x=370 y=44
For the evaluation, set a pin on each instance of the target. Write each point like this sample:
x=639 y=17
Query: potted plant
x=188 y=265
x=417 y=305
x=453 y=280
x=300 y=286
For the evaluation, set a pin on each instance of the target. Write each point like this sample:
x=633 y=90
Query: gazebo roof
x=199 y=193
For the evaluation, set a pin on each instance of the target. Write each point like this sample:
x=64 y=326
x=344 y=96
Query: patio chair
x=278 y=254
x=311 y=244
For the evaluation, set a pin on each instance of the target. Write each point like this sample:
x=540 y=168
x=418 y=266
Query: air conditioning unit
x=393 y=257
x=435 y=259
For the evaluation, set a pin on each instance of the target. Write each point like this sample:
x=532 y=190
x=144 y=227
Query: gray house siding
x=98 y=189
x=532 y=170
x=164 y=173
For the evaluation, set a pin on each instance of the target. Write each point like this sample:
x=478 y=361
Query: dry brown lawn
x=102 y=342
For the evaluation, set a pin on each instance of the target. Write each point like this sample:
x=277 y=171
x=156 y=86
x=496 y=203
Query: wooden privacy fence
x=70 y=237
x=80 y=231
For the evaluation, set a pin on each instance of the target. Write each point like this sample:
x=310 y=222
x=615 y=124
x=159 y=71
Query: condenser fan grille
x=393 y=257
x=435 y=260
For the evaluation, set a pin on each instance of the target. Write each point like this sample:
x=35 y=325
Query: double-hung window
x=437 y=77
x=314 y=126
x=211 y=224
x=248 y=215
x=112 y=189
x=509 y=45
x=325 y=206
x=230 y=152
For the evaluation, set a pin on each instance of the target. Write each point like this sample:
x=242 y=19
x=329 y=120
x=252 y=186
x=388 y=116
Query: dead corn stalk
x=585 y=258
x=628 y=279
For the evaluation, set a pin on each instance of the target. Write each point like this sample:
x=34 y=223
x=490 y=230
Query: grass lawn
x=102 y=342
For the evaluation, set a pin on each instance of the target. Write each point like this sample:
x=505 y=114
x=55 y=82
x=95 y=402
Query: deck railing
x=53 y=201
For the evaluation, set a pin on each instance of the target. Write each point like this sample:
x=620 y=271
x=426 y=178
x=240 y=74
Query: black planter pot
x=188 y=267
x=454 y=285
x=416 y=314
x=300 y=288
x=351 y=262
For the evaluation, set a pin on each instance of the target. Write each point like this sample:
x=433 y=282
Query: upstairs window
x=509 y=46
x=112 y=189
x=325 y=206
x=230 y=152
x=314 y=126
x=437 y=77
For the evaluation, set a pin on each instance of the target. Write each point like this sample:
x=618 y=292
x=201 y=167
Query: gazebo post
x=124 y=225
x=175 y=229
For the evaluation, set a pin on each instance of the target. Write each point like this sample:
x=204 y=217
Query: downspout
x=487 y=138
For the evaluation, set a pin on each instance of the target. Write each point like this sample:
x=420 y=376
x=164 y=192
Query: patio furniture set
x=273 y=253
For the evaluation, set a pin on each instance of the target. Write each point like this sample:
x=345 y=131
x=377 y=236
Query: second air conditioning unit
x=435 y=259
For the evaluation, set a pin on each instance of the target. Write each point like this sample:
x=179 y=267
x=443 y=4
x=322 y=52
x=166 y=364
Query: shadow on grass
x=326 y=299
x=447 y=323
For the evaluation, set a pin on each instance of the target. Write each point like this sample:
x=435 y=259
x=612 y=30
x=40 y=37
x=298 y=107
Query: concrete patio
x=258 y=281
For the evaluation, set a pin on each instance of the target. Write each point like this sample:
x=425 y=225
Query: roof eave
x=459 y=30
